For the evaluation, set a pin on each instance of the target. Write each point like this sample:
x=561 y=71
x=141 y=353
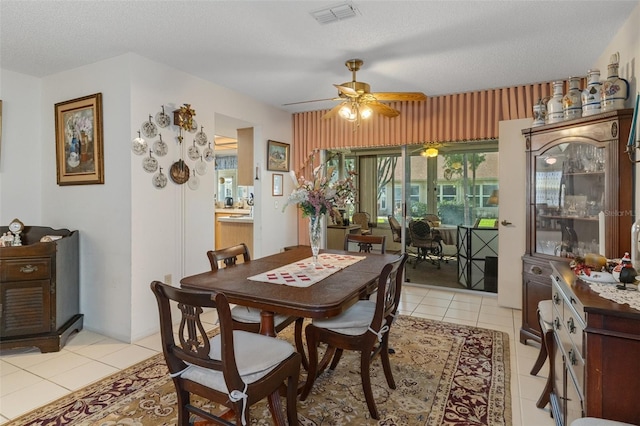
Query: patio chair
x=362 y=219
x=226 y=369
x=364 y=327
x=428 y=244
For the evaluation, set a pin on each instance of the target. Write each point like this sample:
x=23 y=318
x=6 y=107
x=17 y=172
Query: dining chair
x=365 y=243
x=362 y=219
x=364 y=327
x=226 y=368
x=244 y=317
x=545 y=319
x=428 y=244
x=228 y=256
x=247 y=318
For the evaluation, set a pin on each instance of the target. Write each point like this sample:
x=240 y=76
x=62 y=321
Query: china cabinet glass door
x=569 y=197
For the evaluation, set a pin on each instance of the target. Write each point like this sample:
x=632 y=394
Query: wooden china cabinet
x=578 y=177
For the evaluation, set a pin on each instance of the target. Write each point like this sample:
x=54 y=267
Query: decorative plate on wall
x=162 y=119
x=179 y=172
x=201 y=137
x=149 y=129
x=138 y=145
x=160 y=148
x=159 y=180
x=193 y=152
x=150 y=164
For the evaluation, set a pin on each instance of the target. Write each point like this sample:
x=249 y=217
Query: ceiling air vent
x=335 y=13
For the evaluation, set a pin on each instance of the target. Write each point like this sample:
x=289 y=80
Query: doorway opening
x=450 y=189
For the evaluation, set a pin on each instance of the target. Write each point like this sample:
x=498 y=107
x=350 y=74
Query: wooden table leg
x=267 y=326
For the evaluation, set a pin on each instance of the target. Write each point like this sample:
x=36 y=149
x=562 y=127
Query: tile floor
x=30 y=379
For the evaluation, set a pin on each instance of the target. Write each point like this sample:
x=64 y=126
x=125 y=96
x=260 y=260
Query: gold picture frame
x=277 y=156
x=276 y=185
x=79 y=141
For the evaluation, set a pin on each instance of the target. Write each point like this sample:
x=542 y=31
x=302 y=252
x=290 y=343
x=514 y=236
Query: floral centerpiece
x=318 y=196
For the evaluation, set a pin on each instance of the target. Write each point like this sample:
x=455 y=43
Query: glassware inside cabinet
x=569 y=195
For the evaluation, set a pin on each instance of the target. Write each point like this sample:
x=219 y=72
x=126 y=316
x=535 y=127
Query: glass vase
x=315 y=234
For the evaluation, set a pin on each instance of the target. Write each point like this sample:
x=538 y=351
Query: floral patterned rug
x=445 y=374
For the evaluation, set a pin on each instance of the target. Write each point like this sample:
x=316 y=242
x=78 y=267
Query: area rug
x=445 y=374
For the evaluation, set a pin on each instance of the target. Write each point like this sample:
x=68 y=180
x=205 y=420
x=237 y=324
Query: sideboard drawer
x=25 y=269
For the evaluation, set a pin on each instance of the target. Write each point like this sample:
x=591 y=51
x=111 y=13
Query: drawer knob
x=536 y=270
x=28 y=269
x=556 y=298
x=571 y=326
x=556 y=323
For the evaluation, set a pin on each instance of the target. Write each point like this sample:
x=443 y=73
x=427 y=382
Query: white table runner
x=304 y=274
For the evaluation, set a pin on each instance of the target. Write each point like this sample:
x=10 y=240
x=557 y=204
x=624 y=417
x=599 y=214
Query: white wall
x=20 y=149
x=627 y=42
x=130 y=232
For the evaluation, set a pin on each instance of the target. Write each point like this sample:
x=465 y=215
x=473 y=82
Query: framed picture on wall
x=277 y=156
x=277 y=185
x=79 y=145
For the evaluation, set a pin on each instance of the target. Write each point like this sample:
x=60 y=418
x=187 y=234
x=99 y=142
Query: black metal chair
x=427 y=242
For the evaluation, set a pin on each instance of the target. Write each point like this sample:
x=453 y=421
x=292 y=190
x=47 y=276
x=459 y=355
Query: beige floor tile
x=28 y=357
x=65 y=362
x=128 y=356
x=7 y=368
x=467 y=298
x=17 y=380
x=434 y=301
x=464 y=306
x=405 y=306
x=102 y=348
x=531 y=386
x=441 y=294
x=490 y=301
x=412 y=298
x=30 y=398
x=534 y=416
x=83 y=338
x=3 y=420
x=153 y=342
x=437 y=311
x=498 y=311
x=462 y=315
x=427 y=316
x=83 y=375
x=460 y=321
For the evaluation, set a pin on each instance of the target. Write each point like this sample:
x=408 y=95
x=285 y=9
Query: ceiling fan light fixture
x=347 y=112
x=365 y=111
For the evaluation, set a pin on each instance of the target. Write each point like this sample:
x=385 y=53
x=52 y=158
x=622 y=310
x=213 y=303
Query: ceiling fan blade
x=332 y=112
x=347 y=91
x=383 y=109
x=315 y=100
x=399 y=96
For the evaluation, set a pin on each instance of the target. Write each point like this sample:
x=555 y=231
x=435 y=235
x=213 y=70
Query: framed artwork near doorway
x=79 y=144
x=277 y=156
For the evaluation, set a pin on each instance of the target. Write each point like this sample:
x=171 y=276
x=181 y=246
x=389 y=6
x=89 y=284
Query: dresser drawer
x=25 y=269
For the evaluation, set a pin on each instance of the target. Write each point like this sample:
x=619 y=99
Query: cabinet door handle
x=572 y=357
x=28 y=269
x=571 y=326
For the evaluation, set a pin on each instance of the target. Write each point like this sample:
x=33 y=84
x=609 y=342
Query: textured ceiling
x=276 y=52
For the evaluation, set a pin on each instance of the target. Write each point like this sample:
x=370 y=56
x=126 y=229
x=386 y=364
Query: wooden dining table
x=324 y=299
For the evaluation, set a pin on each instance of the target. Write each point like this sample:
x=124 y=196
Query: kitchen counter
x=233 y=211
x=236 y=219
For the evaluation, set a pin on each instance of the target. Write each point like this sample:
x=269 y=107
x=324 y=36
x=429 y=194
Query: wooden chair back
x=396 y=229
x=194 y=347
x=365 y=243
x=228 y=256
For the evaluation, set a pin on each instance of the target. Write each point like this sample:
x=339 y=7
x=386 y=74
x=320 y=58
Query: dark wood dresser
x=39 y=290
x=596 y=354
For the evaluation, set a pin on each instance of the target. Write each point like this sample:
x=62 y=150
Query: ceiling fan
x=358 y=102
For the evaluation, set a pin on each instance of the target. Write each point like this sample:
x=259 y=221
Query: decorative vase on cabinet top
x=572 y=100
x=615 y=90
x=539 y=113
x=555 y=114
x=591 y=95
